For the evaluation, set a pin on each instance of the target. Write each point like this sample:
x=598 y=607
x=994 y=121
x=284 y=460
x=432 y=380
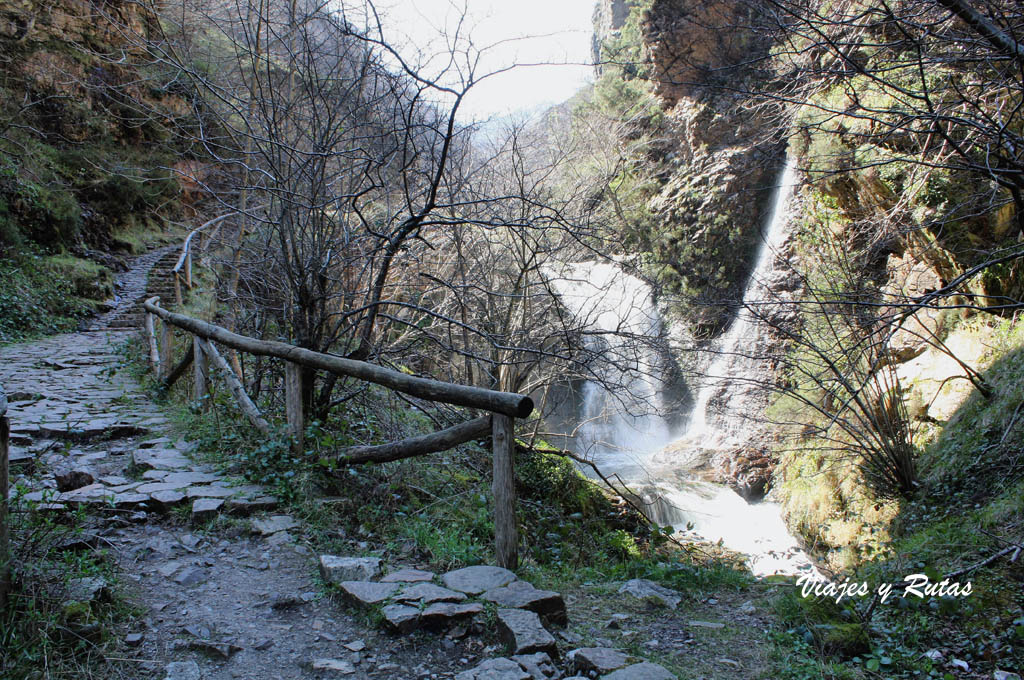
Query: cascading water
x=626 y=431
x=735 y=369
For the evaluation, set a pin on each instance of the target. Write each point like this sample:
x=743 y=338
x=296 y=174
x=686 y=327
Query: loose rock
x=652 y=592
x=598 y=659
x=182 y=670
x=336 y=665
x=335 y=569
x=495 y=669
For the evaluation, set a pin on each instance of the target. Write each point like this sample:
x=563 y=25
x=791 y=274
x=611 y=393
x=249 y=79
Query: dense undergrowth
x=964 y=520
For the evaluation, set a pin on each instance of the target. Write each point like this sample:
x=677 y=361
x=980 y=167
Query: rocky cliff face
x=724 y=158
x=92 y=124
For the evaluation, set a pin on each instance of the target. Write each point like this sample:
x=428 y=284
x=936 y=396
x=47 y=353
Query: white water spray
x=622 y=419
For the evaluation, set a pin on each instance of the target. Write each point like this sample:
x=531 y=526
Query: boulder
x=475 y=580
x=205 y=509
x=274 y=524
x=523 y=633
x=335 y=569
x=73 y=479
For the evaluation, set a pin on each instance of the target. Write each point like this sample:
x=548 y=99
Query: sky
x=556 y=33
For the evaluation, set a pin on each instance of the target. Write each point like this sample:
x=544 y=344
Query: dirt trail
x=217 y=593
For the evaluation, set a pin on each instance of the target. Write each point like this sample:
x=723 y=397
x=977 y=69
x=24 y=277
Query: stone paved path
x=226 y=589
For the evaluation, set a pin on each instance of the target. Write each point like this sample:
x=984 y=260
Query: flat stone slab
x=641 y=671
x=522 y=595
x=428 y=593
x=168 y=498
x=443 y=614
x=366 y=593
x=205 y=509
x=652 y=592
x=271 y=525
x=601 y=660
x=408 y=576
x=247 y=506
x=495 y=669
x=335 y=568
x=183 y=479
x=209 y=492
x=160 y=459
x=523 y=633
x=153 y=487
x=401 y=618
x=475 y=580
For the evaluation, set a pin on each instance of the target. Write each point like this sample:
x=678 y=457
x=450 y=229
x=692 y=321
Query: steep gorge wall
x=91 y=123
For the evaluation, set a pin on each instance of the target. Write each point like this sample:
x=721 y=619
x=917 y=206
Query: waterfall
x=622 y=416
x=623 y=427
x=733 y=352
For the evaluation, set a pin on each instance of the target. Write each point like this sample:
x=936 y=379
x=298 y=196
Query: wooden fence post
x=293 y=403
x=177 y=288
x=5 y=546
x=506 y=532
x=201 y=371
x=154 y=352
x=166 y=349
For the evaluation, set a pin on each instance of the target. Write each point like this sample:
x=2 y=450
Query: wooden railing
x=504 y=407
x=183 y=268
x=5 y=531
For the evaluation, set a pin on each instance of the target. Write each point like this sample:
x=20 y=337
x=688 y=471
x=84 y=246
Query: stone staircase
x=149 y=275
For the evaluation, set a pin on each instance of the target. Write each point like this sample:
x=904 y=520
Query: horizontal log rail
x=504 y=407
x=507 y=403
x=442 y=440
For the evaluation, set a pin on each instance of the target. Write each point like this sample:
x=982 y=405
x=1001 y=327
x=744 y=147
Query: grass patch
x=49 y=629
